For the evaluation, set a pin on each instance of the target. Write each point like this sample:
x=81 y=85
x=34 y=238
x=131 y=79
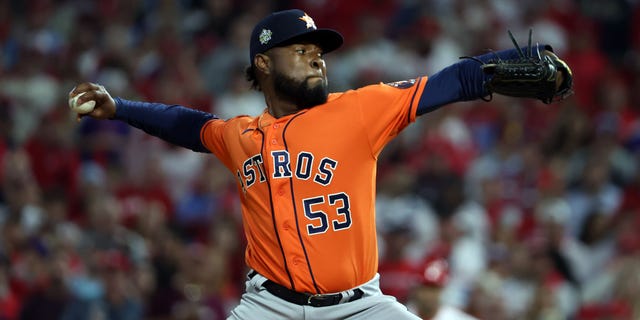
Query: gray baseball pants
x=258 y=304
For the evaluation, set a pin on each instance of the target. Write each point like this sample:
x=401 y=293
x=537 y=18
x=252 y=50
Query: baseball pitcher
x=306 y=167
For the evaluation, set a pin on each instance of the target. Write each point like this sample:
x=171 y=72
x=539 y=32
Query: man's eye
x=301 y=51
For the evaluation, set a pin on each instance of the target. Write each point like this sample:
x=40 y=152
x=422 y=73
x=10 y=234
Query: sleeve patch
x=402 y=84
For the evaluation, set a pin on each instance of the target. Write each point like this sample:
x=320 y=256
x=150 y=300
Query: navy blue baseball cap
x=285 y=27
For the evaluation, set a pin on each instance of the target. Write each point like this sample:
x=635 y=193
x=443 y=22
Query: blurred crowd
x=533 y=208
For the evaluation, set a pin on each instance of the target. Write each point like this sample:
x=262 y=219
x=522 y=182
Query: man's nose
x=317 y=63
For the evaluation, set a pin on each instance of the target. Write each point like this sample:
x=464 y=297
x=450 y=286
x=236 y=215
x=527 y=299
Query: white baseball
x=83 y=108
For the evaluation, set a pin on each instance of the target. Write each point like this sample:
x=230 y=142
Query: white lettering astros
x=253 y=170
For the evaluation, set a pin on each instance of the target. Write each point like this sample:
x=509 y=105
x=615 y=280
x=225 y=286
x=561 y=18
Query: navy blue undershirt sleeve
x=461 y=81
x=175 y=124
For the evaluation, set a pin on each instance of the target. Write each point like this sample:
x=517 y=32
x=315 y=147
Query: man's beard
x=299 y=92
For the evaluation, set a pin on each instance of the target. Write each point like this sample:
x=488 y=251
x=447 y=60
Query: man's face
x=299 y=74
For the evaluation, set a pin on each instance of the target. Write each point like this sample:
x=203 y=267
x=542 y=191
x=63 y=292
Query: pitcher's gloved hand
x=542 y=76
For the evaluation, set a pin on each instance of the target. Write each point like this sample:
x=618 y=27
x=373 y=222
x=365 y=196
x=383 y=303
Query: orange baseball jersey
x=307 y=183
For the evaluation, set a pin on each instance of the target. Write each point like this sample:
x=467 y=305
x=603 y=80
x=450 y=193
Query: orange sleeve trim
x=203 y=132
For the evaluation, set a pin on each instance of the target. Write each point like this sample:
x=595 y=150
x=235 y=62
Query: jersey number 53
x=320 y=219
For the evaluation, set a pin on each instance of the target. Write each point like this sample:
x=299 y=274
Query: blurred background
x=533 y=208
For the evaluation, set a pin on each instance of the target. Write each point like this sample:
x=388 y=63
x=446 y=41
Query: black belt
x=307 y=299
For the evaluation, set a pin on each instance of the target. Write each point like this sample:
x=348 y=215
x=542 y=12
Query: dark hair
x=250 y=75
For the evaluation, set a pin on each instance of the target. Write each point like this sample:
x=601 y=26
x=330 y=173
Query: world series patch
x=402 y=84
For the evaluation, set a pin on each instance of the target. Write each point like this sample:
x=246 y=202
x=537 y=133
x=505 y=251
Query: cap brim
x=327 y=39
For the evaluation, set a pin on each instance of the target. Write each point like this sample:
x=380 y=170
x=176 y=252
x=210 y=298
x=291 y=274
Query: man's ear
x=262 y=63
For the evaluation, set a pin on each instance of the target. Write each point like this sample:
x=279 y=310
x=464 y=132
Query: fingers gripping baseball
x=80 y=97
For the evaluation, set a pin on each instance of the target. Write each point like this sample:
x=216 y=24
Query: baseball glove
x=531 y=75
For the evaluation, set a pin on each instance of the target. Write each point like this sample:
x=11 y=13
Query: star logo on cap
x=309 y=21
x=265 y=36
